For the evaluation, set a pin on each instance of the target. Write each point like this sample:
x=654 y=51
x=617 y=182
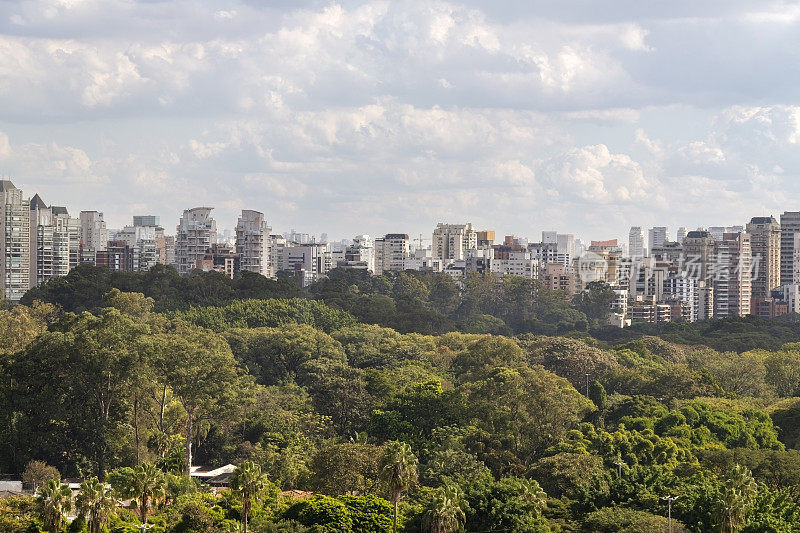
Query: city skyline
x=519 y=117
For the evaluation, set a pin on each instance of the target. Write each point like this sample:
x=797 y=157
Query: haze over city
x=379 y=117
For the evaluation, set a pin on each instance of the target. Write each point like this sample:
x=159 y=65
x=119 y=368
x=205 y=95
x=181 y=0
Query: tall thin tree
x=94 y=501
x=147 y=487
x=55 y=499
x=398 y=470
x=248 y=481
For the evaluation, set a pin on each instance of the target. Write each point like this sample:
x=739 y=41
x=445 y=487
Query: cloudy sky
x=585 y=116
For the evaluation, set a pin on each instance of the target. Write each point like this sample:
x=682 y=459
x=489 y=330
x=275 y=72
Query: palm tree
x=94 y=502
x=249 y=482
x=737 y=499
x=55 y=499
x=146 y=486
x=398 y=469
x=446 y=512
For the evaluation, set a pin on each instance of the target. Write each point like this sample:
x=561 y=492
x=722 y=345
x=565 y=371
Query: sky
x=585 y=116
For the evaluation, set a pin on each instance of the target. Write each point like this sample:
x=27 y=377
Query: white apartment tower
x=54 y=241
x=253 y=243
x=391 y=252
x=451 y=241
x=195 y=234
x=790 y=226
x=731 y=276
x=636 y=242
x=657 y=236
x=94 y=235
x=15 y=224
x=765 y=242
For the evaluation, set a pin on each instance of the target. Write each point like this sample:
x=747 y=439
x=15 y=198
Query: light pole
x=669 y=500
x=587 y=384
x=144 y=527
x=619 y=467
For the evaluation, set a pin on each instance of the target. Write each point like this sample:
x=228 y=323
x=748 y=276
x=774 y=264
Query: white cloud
x=510 y=114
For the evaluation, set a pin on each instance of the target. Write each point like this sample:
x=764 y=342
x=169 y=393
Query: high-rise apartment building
x=253 y=243
x=731 y=275
x=195 y=234
x=94 y=235
x=360 y=254
x=566 y=245
x=54 y=242
x=15 y=224
x=657 y=236
x=142 y=243
x=790 y=226
x=451 y=241
x=680 y=235
x=392 y=252
x=636 y=242
x=765 y=243
x=698 y=254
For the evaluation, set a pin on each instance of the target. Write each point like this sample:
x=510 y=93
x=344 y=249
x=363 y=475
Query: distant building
x=15 y=227
x=554 y=276
x=221 y=258
x=94 y=235
x=731 y=276
x=636 y=242
x=361 y=251
x=698 y=254
x=790 y=227
x=195 y=234
x=657 y=236
x=253 y=243
x=451 y=241
x=765 y=241
x=54 y=241
x=392 y=251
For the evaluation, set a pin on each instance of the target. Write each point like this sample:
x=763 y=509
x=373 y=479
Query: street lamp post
x=144 y=527
x=587 y=384
x=619 y=467
x=669 y=500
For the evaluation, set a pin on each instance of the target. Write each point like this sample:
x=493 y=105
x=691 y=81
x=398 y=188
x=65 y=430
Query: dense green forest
x=496 y=406
x=413 y=302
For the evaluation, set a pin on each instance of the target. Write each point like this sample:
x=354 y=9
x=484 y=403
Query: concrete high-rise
x=195 y=234
x=765 y=243
x=636 y=242
x=680 y=235
x=731 y=277
x=451 y=241
x=698 y=254
x=253 y=242
x=657 y=236
x=15 y=224
x=54 y=241
x=790 y=226
x=391 y=252
x=94 y=235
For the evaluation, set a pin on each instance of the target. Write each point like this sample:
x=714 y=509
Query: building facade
x=765 y=242
x=450 y=242
x=195 y=234
x=253 y=243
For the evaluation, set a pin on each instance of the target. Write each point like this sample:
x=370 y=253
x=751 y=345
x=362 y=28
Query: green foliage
x=296 y=391
x=624 y=520
x=510 y=503
x=330 y=513
x=370 y=514
x=266 y=313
